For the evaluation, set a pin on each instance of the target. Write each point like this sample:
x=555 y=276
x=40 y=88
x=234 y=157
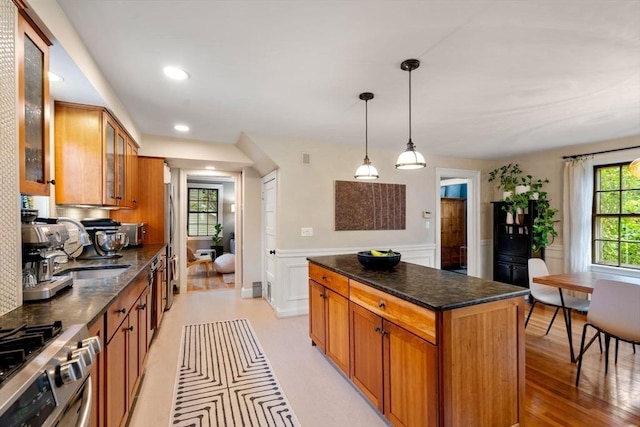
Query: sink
x=95 y=272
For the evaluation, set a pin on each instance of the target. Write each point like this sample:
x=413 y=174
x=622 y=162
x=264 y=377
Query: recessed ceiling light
x=175 y=73
x=210 y=168
x=53 y=77
x=181 y=128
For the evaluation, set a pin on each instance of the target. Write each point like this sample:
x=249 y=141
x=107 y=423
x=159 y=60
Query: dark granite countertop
x=428 y=287
x=86 y=300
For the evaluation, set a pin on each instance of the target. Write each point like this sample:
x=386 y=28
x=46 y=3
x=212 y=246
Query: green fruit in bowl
x=378 y=253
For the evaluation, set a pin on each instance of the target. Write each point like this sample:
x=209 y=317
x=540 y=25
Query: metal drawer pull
x=382 y=305
x=122 y=310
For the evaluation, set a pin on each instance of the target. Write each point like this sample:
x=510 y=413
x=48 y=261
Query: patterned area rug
x=224 y=379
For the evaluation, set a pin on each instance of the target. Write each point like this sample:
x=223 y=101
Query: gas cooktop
x=19 y=344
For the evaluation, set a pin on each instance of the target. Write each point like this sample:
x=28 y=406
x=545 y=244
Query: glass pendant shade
x=366 y=170
x=634 y=167
x=410 y=158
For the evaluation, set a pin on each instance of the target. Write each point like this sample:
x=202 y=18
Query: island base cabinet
x=394 y=368
x=116 y=376
x=97 y=377
x=410 y=378
x=329 y=325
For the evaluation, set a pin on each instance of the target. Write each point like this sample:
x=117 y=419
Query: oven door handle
x=85 y=410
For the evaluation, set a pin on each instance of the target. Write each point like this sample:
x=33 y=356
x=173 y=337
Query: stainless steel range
x=45 y=375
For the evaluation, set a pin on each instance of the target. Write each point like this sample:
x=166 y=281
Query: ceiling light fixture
x=410 y=158
x=211 y=168
x=53 y=77
x=366 y=170
x=634 y=168
x=181 y=128
x=175 y=73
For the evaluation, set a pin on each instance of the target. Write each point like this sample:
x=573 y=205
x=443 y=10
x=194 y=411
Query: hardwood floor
x=197 y=280
x=551 y=398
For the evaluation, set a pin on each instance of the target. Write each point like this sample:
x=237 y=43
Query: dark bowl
x=378 y=262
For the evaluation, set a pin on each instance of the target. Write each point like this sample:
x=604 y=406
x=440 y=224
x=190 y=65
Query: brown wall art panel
x=370 y=206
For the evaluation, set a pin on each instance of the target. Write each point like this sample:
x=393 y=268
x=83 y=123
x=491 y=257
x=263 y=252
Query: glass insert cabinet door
x=32 y=51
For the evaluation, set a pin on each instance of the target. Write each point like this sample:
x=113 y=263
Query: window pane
x=607 y=228
x=630 y=254
x=608 y=203
x=629 y=181
x=606 y=252
x=609 y=178
x=630 y=229
x=631 y=202
x=203 y=211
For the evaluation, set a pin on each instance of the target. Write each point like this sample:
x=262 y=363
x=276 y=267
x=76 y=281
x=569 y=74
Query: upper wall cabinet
x=95 y=158
x=32 y=51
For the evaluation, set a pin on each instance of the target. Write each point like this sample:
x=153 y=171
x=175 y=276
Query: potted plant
x=543 y=228
x=216 y=240
x=508 y=176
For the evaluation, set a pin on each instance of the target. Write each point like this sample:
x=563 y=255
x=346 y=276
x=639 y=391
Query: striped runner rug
x=224 y=379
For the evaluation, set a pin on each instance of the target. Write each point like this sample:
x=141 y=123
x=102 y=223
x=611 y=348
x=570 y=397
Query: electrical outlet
x=306 y=231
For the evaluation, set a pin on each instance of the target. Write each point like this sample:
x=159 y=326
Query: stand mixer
x=42 y=243
x=105 y=237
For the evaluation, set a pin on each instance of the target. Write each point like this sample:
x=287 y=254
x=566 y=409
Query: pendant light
x=366 y=170
x=410 y=158
x=634 y=167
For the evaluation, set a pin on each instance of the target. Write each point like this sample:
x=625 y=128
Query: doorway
x=467 y=254
x=453 y=225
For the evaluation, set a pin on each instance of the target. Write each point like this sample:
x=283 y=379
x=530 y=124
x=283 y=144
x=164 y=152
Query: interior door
x=269 y=206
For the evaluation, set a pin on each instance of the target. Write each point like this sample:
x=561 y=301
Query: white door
x=269 y=234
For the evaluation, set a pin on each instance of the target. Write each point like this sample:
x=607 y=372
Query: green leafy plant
x=507 y=176
x=544 y=231
x=217 y=238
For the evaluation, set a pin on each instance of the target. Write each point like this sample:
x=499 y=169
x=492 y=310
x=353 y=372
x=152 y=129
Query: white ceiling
x=497 y=78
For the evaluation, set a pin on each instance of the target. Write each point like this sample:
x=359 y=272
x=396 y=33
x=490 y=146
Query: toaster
x=136 y=232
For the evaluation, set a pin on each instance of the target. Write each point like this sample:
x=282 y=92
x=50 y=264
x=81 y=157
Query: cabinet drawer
x=332 y=280
x=419 y=320
x=511 y=259
x=516 y=244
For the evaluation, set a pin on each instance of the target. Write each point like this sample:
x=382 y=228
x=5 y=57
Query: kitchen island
x=427 y=347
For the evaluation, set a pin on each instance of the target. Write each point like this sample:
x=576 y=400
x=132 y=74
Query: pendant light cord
x=366 y=129
x=410 y=105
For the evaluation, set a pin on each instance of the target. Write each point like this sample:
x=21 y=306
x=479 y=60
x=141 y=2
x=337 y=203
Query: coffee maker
x=42 y=244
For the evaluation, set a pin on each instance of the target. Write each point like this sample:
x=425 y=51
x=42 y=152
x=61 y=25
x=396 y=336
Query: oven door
x=78 y=411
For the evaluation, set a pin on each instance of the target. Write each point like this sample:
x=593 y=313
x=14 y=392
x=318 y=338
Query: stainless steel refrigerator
x=169 y=238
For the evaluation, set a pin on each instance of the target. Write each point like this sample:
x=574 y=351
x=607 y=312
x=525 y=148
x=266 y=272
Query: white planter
x=507 y=195
x=522 y=189
x=534 y=196
x=509 y=218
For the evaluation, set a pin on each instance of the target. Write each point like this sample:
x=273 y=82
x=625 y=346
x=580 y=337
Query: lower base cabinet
x=394 y=368
x=97 y=377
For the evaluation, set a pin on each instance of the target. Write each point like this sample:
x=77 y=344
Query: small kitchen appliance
x=42 y=244
x=135 y=231
x=105 y=237
x=45 y=375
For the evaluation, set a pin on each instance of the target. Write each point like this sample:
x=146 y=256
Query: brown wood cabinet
x=91 y=157
x=125 y=350
x=131 y=162
x=328 y=324
x=420 y=367
x=32 y=54
x=97 y=377
x=453 y=232
x=149 y=201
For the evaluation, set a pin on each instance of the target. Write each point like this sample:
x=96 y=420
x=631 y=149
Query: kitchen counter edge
x=85 y=301
x=434 y=289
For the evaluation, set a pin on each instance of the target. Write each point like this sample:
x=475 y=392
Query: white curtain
x=576 y=212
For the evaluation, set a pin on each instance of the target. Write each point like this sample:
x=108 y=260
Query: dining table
x=582 y=282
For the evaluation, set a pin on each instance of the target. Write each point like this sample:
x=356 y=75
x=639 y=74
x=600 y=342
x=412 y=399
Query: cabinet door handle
x=383 y=332
x=143 y=306
x=376 y=329
x=52 y=182
x=122 y=310
x=382 y=305
x=130 y=329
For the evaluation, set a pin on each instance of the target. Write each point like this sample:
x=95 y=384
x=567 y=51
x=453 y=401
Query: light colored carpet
x=225 y=379
x=229 y=278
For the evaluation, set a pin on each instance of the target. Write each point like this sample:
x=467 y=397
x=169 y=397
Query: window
x=203 y=211
x=616 y=217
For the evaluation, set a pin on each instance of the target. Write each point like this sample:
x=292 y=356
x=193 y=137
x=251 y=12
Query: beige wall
x=306 y=192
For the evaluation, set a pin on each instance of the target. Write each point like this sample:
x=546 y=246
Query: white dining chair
x=614 y=312
x=553 y=297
